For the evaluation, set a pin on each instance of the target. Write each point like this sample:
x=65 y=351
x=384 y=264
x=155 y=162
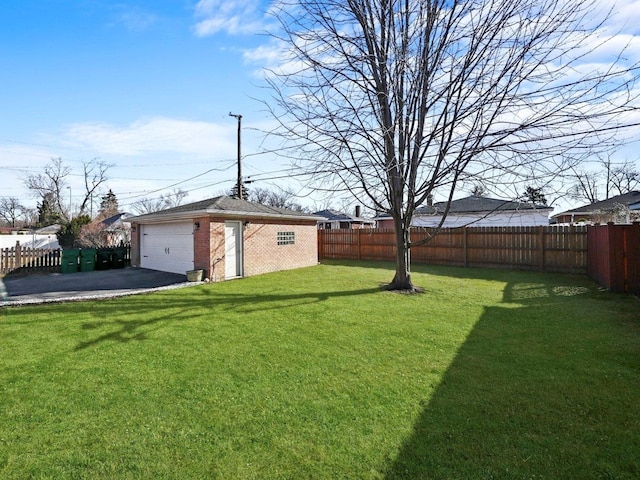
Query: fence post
x=541 y=247
x=359 y=244
x=18 y=255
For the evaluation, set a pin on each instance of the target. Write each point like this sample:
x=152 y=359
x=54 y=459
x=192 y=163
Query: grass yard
x=317 y=373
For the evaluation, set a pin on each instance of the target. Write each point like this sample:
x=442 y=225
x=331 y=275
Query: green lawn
x=317 y=373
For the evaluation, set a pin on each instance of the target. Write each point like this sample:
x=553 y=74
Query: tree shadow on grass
x=181 y=307
x=475 y=273
x=534 y=392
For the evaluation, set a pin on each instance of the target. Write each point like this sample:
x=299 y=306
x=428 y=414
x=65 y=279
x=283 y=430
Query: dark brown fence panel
x=377 y=244
x=338 y=244
x=444 y=248
x=614 y=256
x=552 y=249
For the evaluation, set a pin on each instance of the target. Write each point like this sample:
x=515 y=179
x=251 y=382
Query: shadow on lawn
x=533 y=393
x=181 y=307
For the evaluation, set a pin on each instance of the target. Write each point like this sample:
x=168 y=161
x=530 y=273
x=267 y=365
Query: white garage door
x=167 y=247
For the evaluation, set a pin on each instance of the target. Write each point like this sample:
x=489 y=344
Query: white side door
x=167 y=247
x=232 y=249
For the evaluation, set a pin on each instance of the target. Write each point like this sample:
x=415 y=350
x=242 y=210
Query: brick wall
x=201 y=242
x=135 y=244
x=262 y=254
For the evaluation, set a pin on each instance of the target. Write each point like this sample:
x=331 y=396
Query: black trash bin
x=117 y=259
x=103 y=258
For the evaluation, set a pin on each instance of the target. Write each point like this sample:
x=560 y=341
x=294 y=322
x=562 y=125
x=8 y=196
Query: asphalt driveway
x=84 y=285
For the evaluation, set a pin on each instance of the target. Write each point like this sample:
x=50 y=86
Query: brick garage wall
x=262 y=254
x=208 y=245
x=201 y=242
x=135 y=244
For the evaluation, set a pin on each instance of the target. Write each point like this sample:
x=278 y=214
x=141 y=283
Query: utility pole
x=239 y=117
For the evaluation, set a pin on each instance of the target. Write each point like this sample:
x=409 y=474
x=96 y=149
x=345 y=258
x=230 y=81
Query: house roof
x=334 y=216
x=627 y=199
x=117 y=221
x=223 y=205
x=476 y=204
x=49 y=229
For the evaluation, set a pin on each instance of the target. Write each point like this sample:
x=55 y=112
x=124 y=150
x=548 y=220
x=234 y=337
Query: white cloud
x=626 y=16
x=150 y=136
x=233 y=17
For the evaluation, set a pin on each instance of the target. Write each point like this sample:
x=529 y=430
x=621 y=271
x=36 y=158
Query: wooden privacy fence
x=548 y=249
x=614 y=256
x=29 y=259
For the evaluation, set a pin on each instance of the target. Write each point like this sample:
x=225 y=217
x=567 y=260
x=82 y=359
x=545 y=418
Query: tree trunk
x=402 y=278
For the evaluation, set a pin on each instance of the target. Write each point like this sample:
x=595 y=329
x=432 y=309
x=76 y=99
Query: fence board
x=550 y=249
x=29 y=259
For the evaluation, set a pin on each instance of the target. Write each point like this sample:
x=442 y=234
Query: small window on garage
x=286 y=238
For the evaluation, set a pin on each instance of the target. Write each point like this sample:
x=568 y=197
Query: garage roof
x=224 y=206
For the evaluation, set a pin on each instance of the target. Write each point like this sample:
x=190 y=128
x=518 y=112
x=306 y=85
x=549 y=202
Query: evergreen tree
x=47 y=214
x=534 y=195
x=108 y=205
x=70 y=232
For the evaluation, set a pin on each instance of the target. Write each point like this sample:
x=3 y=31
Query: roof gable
x=625 y=199
x=333 y=215
x=224 y=205
x=477 y=204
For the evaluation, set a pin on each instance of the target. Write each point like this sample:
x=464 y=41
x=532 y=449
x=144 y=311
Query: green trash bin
x=87 y=259
x=117 y=259
x=103 y=258
x=69 y=260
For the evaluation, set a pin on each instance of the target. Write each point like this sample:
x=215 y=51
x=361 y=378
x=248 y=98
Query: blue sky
x=147 y=86
x=144 y=85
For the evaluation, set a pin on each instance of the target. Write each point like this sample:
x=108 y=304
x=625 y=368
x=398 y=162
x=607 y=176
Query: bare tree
x=11 y=210
x=624 y=178
x=392 y=100
x=164 y=201
x=281 y=198
x=605 y=180
x=95 y=174
x=49 y=185
x=585 y=186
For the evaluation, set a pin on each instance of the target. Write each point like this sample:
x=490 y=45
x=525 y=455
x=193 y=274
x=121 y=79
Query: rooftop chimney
x=358 y=211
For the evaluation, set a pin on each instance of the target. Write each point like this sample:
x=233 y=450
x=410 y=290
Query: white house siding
x=531 y=218
x=29 y=240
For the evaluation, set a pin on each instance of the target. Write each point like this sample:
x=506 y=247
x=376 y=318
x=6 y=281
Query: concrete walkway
x=57 y=287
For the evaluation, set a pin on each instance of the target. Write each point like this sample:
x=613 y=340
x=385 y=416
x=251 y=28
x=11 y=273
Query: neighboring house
x=333 y=220
x=118 y=229
x=49 y=229
x=224 y=236
x=618 y=209
x=477 y=211
x=41 y=238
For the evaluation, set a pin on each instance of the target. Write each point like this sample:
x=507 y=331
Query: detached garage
x=224 y=236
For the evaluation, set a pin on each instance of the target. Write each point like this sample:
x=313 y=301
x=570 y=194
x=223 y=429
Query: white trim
x=238 y=270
